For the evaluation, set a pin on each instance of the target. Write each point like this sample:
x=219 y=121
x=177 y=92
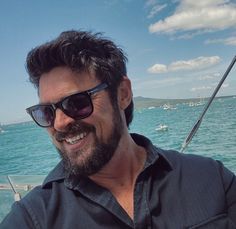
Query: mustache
x=73 y=129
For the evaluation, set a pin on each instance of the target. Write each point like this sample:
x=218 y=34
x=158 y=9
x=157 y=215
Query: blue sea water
x=26 y=149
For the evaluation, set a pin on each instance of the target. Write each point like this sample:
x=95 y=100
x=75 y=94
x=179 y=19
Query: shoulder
x=52 y=186
x=190 y=161
x=32 y=211
x=199 y=167
x=202 y=183
x=27 y=212
x=47 y=194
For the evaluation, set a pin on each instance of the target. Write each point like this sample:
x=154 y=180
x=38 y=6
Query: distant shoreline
x=143 y=102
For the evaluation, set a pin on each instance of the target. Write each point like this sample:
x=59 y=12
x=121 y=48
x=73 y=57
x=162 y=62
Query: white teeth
x=75 y=139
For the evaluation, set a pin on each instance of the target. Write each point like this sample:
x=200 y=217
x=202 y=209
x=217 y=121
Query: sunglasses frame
x=54 y=106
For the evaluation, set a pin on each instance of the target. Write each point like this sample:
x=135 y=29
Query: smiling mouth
x=73 y=140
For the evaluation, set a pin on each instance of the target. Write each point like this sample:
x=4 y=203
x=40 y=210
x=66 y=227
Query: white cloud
x=202 y=88
x=156 y=9
x=227 y=41
x=198 y=63
x=225 y=85
x=151 y=2
x=201 y=15
x=209 y=76
x=183 y=65
x=158 y=68
x=189 y=35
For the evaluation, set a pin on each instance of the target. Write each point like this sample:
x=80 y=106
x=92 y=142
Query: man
x=109 y=178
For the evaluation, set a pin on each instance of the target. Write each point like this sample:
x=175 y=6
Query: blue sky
x=176 y=49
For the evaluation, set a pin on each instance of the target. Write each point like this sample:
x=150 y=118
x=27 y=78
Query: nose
x=61 y=120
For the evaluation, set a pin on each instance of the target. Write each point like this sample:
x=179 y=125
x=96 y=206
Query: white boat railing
x=19 y=185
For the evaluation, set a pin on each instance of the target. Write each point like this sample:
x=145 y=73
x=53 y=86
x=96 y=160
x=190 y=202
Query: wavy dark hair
x=82 y=51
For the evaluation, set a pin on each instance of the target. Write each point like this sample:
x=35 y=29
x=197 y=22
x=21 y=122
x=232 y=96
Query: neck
x=124 y=167
x=120 y=174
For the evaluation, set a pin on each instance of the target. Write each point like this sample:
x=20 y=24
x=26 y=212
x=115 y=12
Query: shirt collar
x=155 y=156
x=57 y=174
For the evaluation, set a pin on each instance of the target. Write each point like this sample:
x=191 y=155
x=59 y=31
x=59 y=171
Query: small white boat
x=162 y=127
x=1 y=130
x=166 y=107
x=192 y=104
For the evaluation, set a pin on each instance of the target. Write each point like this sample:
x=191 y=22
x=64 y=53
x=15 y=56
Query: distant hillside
x=142 y=102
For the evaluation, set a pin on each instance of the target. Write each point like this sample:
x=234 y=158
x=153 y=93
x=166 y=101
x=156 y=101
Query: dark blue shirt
x=174 y=190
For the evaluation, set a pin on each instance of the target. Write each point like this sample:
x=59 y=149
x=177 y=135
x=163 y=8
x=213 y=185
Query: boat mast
x=198 y=123
x=17 y=196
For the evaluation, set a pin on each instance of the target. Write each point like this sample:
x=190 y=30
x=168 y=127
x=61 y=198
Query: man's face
x=85 y=145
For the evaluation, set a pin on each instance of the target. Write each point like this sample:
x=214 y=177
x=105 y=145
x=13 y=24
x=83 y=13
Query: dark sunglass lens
x=78 y=106
x=43 y=115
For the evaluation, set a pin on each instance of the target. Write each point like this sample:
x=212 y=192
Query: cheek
x=102 y=109
x=102 y=118
x=51 y=133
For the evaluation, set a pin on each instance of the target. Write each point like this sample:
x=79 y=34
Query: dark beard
x=102 y=152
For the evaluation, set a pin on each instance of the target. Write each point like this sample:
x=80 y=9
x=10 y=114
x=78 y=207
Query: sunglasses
x=77 y=106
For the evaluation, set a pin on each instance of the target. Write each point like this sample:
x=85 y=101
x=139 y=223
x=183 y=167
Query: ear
x=124 y=93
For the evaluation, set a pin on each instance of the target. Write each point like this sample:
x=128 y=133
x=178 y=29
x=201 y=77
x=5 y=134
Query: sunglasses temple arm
x=98 y=88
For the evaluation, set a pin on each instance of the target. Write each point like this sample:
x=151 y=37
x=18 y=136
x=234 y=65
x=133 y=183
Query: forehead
x=62 y=81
